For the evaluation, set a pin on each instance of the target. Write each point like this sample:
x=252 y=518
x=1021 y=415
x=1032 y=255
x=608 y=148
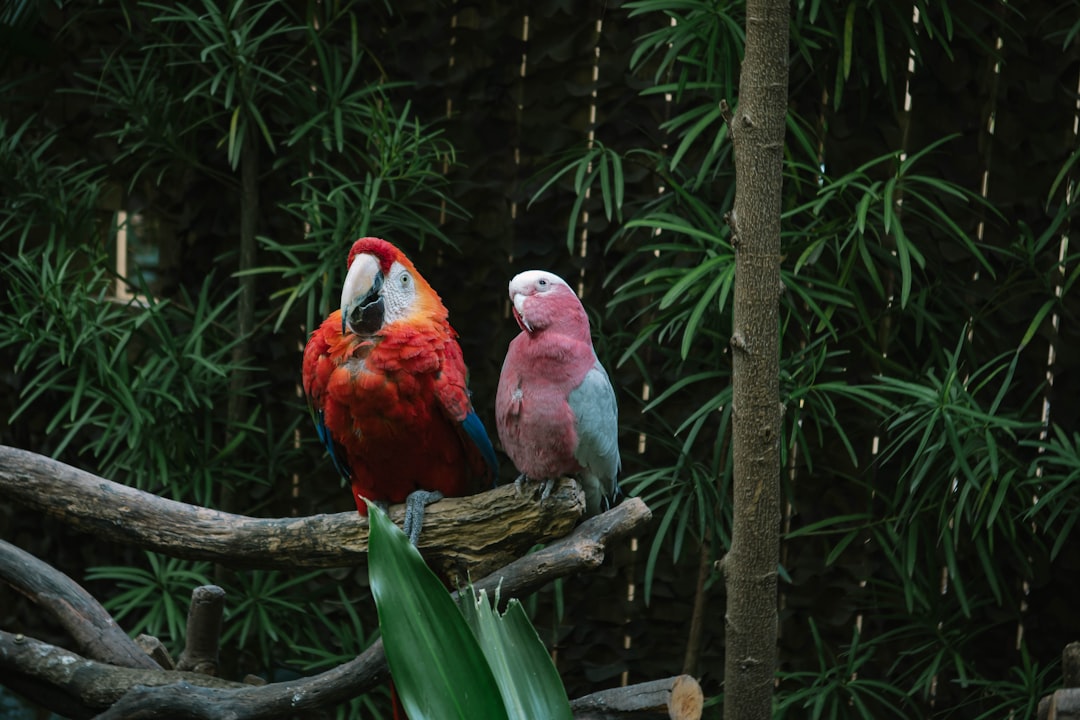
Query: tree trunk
x=237 y=409
x=757 y=131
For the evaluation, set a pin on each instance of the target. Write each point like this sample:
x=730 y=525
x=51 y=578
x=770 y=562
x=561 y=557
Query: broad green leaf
x=530 y=684
x=436 y=663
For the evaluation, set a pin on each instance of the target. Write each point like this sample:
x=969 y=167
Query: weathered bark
x=54 y=677
x=95 y=633
x=478 y=533
x=757 y=131
x=677 y=698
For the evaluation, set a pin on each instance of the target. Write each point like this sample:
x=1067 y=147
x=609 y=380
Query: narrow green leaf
x=1036 y=322
x=879 y=37
x=232 y=151
x=849 y=38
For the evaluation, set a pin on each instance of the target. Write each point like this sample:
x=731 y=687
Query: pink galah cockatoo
x=555 y=408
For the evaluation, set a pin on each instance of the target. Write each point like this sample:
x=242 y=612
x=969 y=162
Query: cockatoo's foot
x=415 y=506
x=519 y=483
x=546 y=486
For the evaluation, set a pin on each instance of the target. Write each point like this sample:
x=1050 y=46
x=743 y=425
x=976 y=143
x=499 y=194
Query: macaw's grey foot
x=415 y=505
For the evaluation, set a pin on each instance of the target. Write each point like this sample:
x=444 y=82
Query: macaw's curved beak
x=362 y=307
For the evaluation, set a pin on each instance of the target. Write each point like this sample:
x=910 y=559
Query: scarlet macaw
x=555 y=409
x=386 y=382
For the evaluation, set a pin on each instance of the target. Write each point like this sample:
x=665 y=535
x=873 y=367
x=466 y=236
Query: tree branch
x=502 y=524
x=133 y=694
x=95 y=633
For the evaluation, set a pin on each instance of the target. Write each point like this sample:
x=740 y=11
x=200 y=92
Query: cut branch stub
x=677 y=698
x=203 y=630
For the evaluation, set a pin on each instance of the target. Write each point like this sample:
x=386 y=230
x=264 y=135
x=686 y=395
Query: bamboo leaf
x=849 y=38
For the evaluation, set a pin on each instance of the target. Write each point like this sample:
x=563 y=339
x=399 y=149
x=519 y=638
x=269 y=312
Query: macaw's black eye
x=404 y=278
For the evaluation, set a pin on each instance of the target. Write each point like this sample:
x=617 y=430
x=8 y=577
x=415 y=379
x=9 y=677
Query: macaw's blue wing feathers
x=474 y=428
x=331 y=447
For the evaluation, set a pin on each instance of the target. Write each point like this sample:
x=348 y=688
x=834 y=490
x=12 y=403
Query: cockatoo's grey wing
x=597 y=425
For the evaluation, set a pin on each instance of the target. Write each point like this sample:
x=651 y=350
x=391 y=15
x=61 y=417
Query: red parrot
x=555 y=410
x=386 y=383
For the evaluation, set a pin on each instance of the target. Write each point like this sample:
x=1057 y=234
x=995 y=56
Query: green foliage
x=135 y=381
x=839 y=687
x=1019 y=693
x=262 y=604
x=328 y=641
x=929 y=504
x=158 y=594
x=528 y=681
x=1052 y=480
x=450 y=660
x=893 y=296
x=140 y=391
x=387 y=182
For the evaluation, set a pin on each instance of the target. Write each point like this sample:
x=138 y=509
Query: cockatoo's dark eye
x=542 y=283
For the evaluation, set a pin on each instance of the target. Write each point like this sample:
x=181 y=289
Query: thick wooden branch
x=51 y=675
x=475 y=534
x=95 y=633
x=677 y=698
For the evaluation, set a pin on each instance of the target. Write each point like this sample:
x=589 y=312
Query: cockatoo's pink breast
x=534 y=418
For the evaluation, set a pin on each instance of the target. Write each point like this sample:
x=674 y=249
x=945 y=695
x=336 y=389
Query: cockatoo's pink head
x=541 y=299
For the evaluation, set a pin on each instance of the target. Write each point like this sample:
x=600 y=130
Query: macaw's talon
x=546 y=486
x=415 y=506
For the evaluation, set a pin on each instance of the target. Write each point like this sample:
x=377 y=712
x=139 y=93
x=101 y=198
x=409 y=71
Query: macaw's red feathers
x=384 y=252
x=393 y=405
